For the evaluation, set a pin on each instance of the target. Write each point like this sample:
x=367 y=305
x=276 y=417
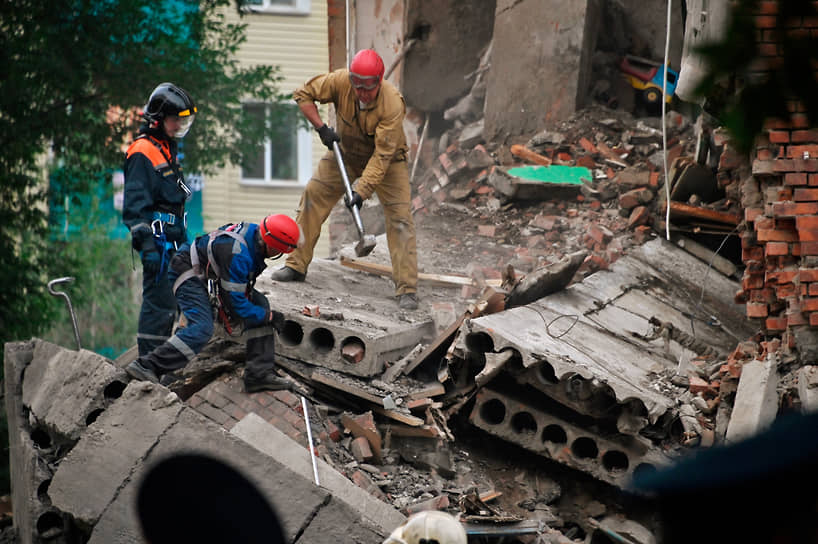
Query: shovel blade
x=365 y=245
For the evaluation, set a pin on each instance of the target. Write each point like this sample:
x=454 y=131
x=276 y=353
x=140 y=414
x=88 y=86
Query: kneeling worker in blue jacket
x=228 y=260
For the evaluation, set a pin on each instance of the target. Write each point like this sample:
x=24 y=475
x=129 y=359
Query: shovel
x=366 y=242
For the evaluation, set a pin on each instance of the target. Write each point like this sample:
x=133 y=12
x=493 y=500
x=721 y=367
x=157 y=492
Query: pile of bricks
x=780 y=200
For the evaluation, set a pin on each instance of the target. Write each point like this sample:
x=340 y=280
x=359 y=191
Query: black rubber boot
x=259 y=372
x=288 y=274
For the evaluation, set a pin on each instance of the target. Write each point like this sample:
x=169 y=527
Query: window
x=282 y=7
x=285 y=159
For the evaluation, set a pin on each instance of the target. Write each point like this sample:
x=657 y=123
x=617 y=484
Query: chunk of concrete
x=756 y=403
x=90 y=476
x=808 y=388
x=268 y=439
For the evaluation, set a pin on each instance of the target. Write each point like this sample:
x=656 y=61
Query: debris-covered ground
x=470 y=225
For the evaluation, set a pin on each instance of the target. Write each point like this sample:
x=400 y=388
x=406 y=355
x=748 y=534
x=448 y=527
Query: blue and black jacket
x=152 y=188
x=234 y=261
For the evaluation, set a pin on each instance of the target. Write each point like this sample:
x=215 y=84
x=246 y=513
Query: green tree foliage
x=72 y=75
x=744 y=86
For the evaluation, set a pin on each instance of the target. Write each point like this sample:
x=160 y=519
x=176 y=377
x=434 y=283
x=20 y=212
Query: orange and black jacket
x=151 y=188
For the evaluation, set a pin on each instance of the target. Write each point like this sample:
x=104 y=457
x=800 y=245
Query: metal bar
x=348 y=188
x=309 y=439
x=68 y=303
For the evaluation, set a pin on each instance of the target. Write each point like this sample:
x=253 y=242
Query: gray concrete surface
x=756 y=403
x=91 y=489
x=268 y=439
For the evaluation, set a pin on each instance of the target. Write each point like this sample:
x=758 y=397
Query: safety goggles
x=184 y=125
x=366 y=83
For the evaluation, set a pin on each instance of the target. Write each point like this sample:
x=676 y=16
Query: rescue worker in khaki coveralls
x=369 y=121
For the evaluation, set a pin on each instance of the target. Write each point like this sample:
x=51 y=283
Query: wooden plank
x=399 y=416
x=445 y=280
x=685 y=210
x=526 y=154
x=423 y=431
x=347 y=388
x=432 y=389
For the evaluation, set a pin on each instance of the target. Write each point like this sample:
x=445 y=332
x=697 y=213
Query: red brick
x=777 y=235
x=639 y=216
x=808 y=248
x=795 y=178
x=764 y=154
x=804 y=136
x=778 y=136
x=756 y=309
x=784 y=291
x=806 y=275
x=806 y=151
x=287 y=398
x=809 y=304
x=486 y=230
x=776 y=323
x=751 y=214
x=752 y=281
x=777 y=248
x=806 y=222
x=755 y=253
x=808 y=235
x=767 y=7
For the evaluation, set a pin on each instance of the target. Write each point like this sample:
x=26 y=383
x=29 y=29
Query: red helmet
x=366 y=69
x=280 y=233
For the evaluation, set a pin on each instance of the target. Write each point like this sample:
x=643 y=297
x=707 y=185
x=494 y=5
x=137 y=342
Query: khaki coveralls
x=374 y=150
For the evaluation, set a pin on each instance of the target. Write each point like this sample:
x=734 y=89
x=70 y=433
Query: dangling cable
x=664 y=121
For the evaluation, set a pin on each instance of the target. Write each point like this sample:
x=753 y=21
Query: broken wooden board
x=490 y=301
x=677 y=209
x=531 y=156
x=444 y=280
x=375 y=401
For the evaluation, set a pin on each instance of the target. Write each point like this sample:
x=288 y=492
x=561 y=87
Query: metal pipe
x=68 y=303
x=406 y=47
x=420 y=146
x=309 y=439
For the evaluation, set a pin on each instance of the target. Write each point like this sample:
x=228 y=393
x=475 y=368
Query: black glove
x=276 y=319
x=142 y=237
x=356 y=200
x=175 y=233
x=150 y=262
x=328 y=135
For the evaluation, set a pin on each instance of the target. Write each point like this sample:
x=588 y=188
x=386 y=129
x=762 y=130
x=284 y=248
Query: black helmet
x=168 y=99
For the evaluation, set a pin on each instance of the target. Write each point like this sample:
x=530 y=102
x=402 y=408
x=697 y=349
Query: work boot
x=286 y=273
x=408 y=301
x=169 y=378
x=141 y=372
x=266 y=382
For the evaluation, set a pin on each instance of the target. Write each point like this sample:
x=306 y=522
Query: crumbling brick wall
x=780 y=201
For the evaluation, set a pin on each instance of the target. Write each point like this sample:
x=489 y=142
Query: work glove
x=150 y=262
x=356 y=200
x=328 y=135
x=175 y=233
x=141 y=238
x=276 y=319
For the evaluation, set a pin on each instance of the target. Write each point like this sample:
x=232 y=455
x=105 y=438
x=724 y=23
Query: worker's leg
x=317 y=200
x=189 y=340
x=157 y=312
x=395 y=196
x=259 y=370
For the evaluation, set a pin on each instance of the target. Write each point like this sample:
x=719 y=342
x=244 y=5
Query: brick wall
x=780 y=201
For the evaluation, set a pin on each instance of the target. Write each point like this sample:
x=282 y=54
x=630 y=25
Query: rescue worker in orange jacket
x=154 y=206
x=369 y=124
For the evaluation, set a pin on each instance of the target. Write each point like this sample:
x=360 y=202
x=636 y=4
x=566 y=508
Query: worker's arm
x=321 y=89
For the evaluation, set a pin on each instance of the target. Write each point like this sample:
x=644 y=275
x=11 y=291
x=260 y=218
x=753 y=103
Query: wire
x=664 y=121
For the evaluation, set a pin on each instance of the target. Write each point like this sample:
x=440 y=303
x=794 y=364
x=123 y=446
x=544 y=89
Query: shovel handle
x=348 y=188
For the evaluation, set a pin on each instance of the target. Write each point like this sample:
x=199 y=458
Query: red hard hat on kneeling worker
x=280 y=233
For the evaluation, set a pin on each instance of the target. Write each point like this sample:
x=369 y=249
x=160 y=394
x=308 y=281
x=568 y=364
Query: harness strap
x=196 y=269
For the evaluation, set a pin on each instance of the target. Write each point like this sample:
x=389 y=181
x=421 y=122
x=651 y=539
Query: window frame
x=299 y=7
x=303 y=159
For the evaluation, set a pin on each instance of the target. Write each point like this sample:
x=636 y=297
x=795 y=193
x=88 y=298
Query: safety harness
x=214 y=287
